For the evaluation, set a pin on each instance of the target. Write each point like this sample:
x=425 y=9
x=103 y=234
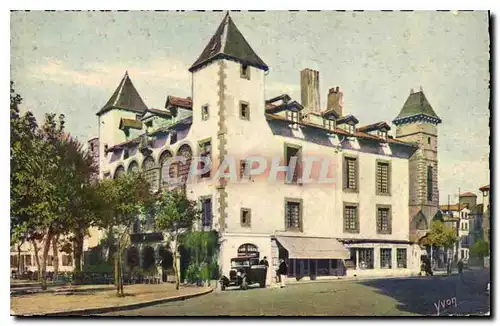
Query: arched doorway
x=147 y=257
x=184 y=151
x=133 y=167
x=120 y=171
x=248 y=250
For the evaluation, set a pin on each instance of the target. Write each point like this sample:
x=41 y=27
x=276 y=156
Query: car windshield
x=240 y=263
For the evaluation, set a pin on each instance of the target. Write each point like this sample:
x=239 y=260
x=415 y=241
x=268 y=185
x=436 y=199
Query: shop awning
x=313 y=248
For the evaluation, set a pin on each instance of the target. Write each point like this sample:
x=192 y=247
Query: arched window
x=248 y=249
x=120 y=171
x=421 y=222
x=429 y=183
x=164 y=159
x=150 y=172
x=133 y=167
x=184 y=151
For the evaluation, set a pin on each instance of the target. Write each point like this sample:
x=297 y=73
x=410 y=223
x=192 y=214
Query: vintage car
x=244 y=272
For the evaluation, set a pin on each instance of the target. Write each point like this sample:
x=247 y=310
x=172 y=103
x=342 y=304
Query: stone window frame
x=389 y=222
x=297 y=171
x=300 y=228
x=245 y=71
x=389 y=177
x=240 y=106
x=205 y=115
x=200 y=143
x=201 y=199
x=382 y=251
x=248 y=223
x=344 y=173
x=344 y=206
x=399 y=257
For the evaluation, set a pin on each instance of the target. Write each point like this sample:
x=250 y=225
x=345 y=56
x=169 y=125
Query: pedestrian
x=448 y=266
x=460 y=266
x=282 y=271
x=265 y=263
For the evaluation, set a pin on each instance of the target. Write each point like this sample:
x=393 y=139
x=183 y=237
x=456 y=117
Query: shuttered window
x=292 y=215
x=384 y=220
x=351 y=218
x=382 y=178
x=206 y=206
x=350 y=173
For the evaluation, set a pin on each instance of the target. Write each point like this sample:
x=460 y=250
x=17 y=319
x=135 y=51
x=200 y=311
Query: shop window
x=401 y=257
x=385 y=258
x=365 y=258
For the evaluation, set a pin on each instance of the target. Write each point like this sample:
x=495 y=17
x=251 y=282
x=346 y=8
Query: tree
x=175 y=215
x=440 y=236
x=118 y=202
x=480 y=249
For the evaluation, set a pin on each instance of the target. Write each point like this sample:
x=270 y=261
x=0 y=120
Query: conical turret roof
x=125 y=97
x=228 y=42
x=416 y=105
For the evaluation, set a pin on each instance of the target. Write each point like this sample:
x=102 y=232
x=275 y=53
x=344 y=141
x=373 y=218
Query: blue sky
x=71 y=62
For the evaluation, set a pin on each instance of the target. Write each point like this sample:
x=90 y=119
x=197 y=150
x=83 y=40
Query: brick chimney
x=309 y=90
x=335 y=100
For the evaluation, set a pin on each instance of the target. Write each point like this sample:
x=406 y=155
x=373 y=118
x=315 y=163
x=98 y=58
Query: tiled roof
x=181 y=102
x=340 y=131
x=484 y=188
x=417 y=104
x=125 y=97
x=130 y=123
x=228 y=42
x=453 y=207
x=468 y=194
x=375 y=126
x=160 y=112
x=330 y=113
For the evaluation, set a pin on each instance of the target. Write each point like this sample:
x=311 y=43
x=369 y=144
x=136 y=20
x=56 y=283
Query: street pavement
x=381 y=297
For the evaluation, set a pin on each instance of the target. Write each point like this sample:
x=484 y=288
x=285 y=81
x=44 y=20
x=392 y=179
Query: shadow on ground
x=425 y=295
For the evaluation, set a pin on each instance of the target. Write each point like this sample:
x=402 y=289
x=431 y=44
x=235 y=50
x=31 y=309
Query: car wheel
x=244 y=284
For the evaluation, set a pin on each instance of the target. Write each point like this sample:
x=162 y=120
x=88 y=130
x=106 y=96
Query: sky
x=71 y=62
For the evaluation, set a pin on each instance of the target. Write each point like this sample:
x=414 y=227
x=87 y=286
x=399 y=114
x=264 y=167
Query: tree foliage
x=480 y=249
x=440 y=236
x=175 y=215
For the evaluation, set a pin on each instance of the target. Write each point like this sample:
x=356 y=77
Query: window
x=329 y=124
x=385 y=258
x=67 y=260
x=13 y=261
x=429 y=140
x=151 y=173
x=401 y=257
x=294 y=117
x=27 y=260
x=245 y=217
x=243 y=167
x=50 y=260
x=107 y=175
x=351 y=262
x=244 y=111
x=206 y=208
x=429 y=183
x=351 y=218
x=365 y=258
x=350 y=174
x=351 y=128
x=383 y=178
x=466 y=226
x=382 y=134
x=384 y=220
x=245 y=71
x=126 y=154
x=173 y=137
x=206 y=151
x=149 y=124
x=204 y=112
x=105 y=148
x=247 y=250
x=293 y=215
x=290 y=152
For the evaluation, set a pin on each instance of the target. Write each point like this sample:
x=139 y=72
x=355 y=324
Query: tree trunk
x=55 y=253
x=176 y=269
x=78 y=249
x=37 y=261
x=117 y=275
x=46 y=247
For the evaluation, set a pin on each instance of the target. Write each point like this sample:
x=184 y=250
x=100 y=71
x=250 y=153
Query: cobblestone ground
x=386 y=297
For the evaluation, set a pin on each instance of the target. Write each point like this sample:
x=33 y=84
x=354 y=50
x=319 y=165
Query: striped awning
x=313 y=248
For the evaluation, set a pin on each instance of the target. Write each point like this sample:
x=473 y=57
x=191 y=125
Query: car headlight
x=238 y=274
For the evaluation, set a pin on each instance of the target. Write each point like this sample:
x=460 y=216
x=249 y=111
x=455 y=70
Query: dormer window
x=245 y=72
x=382 y=134
x=294 y=117
x=351 y=128
x=149 y=124
x=204 y=112
x=329 y=124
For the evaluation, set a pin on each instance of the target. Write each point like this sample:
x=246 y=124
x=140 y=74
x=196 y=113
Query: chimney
x=309 y=90
x=335 y=100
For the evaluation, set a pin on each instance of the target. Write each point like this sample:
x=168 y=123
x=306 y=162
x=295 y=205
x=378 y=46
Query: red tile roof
x=453 y=207
x=181 y=102
x=375 y=126
x=483 y=188
x=468 y=194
